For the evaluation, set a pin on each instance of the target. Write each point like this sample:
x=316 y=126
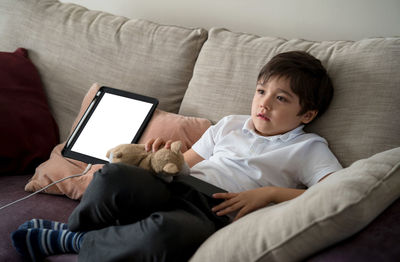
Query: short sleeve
x=319 y=161
x=205 y=145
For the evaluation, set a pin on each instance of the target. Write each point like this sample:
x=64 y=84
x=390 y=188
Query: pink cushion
x=169 y=126
x=28 y=132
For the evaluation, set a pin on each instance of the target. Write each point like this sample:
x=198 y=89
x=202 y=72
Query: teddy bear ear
x=176 y=146
x=170 y=168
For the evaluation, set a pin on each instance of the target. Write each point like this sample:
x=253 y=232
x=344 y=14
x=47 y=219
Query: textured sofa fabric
x=72 y=47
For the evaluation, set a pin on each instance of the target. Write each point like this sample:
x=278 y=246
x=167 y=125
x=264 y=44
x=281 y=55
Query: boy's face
x=275 y=108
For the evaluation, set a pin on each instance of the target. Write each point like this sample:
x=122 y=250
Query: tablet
x=113 y=117
x=202 y=186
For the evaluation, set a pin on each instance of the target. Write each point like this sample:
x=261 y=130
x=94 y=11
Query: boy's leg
x=172 y=235
x=118 y=194
x=163 y=236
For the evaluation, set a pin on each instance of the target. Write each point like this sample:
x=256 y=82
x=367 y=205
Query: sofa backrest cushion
x=363 y=118
x=73 y=47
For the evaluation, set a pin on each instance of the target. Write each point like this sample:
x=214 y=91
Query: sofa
x=51 y=53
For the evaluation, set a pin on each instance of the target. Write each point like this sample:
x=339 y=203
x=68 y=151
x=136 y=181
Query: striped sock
x=41 y=223
x=37 y=243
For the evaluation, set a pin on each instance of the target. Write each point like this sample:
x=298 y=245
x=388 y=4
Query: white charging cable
x=44 y=188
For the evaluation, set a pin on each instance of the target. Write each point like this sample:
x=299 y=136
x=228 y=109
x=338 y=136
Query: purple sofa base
x=43 y=206
x=377 y=242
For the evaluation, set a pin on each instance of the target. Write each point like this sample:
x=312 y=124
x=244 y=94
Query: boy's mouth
x=263 y=117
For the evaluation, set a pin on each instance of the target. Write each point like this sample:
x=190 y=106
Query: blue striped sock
x=42 y=223
x=37 y=243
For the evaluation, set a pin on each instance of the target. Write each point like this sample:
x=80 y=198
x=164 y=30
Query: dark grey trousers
x=131 y=215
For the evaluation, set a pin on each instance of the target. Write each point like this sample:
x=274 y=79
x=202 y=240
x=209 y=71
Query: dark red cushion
x=28 y=131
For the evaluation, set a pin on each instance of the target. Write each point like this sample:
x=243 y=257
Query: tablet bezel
x=67 y=150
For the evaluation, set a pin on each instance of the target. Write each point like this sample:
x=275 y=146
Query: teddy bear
x=164 y=163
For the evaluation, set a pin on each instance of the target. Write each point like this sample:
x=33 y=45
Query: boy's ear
x=309 y=116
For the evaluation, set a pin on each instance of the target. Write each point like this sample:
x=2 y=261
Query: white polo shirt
x=239 y=159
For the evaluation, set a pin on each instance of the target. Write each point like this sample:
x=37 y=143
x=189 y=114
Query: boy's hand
x=244 y=202
x=156 y=143
x=251 y=200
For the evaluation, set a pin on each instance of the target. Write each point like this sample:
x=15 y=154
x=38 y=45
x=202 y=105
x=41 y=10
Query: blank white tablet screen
x=115 y=121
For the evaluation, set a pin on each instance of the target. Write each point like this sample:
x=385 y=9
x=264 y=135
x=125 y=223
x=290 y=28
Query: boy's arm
x=251 y=200
x=192 y=158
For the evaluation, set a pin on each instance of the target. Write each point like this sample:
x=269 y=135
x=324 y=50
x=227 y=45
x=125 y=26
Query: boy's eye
x=281 y=98
x=260 y=91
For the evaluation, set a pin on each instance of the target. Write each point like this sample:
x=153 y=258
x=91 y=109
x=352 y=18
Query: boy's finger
x=240 y=214
x=226 y=204
x=224 y=195
x=229 y=209
x=149 y=144
x=168 y=144
x=219 y=195
x=221 y=206
x=157 y=144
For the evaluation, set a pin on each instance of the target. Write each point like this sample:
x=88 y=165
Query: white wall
x=307 y=19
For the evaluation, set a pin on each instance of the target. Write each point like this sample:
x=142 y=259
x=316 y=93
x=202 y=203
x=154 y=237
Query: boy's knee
x=110 y=172
x=170 y=239
x=110 y=178
x=160 y=240
x=101 y=181
x=105 y=174
x=122 y=173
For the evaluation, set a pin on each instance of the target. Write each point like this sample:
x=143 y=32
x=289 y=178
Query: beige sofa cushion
x=74 y=47
x=328 y=212
x=364 y=117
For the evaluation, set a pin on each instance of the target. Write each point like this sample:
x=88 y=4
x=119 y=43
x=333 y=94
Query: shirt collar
x=248 y=127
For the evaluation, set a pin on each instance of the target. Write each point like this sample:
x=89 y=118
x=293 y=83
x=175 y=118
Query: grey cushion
x=74 y=47
x=363 y=118
x=326 y=213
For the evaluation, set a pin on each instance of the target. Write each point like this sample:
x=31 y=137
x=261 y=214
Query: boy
x=128 y=214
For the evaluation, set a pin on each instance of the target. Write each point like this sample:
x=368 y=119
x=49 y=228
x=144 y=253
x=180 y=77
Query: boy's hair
x=308 y=79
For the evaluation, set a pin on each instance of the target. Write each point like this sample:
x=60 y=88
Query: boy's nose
x=267 y=103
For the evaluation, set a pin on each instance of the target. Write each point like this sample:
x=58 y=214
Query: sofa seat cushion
x=28 y=131
x=83 y=46
x=363 y=118
x=330 y=211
